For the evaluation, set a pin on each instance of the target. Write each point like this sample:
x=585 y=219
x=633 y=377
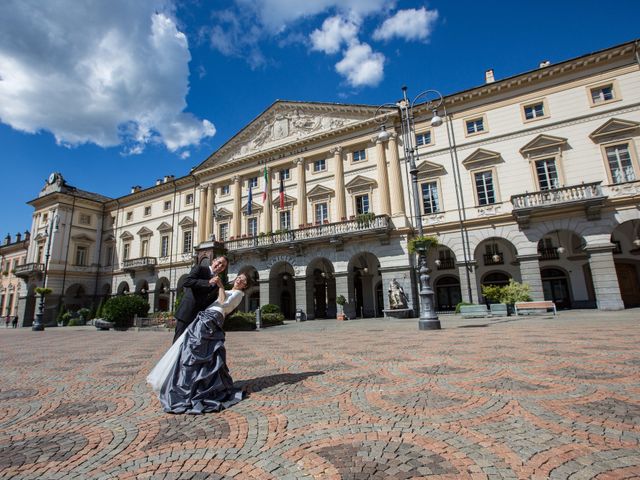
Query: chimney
x=7 y=239
x=158 y=181
x=18 y=237
x=488 y=76
x=136 y=188
x=168 y=178
x=27 y=234
x=544 y=63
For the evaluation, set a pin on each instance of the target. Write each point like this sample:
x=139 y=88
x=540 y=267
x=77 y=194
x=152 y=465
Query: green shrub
x=511 y=293
x=240 y=321
x=99 y=310
x=426 y=243
x=176 y=303
x=270 y=319
x=84 y=314
x=121 y=309
x=66 y=318
x=269 y=308
x=461 y=304
x=61 y=313
x=43 y=291
x=74 y=322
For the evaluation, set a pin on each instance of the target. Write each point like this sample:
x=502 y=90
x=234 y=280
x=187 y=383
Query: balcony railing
x=490 y=260
x=28 y=269
x=142 y=263
x=379 y=224
x=548 y=253
x=446 y=264
x=585 y=191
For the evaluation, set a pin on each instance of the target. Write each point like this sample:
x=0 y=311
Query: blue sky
x=115 y=93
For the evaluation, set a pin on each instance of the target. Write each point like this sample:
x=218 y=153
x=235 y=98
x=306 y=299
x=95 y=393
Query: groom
x=200 y=290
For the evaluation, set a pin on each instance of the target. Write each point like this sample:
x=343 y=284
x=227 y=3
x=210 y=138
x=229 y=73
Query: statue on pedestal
x=397 y=297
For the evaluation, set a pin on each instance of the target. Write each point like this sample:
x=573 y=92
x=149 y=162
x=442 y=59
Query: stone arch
x=76 y=297
x=123 y=288
x=162 y=297
x=282 y=288
x=363 y=272
x=251 y=300
x=321 y=288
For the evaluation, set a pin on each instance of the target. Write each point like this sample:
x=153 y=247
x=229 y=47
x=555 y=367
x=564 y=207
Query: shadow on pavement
x=260 y=383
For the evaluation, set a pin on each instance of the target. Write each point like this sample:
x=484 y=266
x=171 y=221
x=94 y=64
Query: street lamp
x=38 y=324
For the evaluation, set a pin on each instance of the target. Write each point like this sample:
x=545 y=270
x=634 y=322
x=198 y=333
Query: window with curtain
x=484 y=187
x=430 y=199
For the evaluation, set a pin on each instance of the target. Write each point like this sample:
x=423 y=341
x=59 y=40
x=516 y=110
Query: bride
x=193 y=377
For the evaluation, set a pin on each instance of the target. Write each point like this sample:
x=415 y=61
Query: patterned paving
x=365 y=399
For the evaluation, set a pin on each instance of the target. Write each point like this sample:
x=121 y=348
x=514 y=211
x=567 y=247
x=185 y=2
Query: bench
x=533 y=307
x=474 y=311
x=499 y=309
x=102 y=324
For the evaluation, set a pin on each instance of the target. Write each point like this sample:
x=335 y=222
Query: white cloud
x=361 y=66
x=410 y=24
x=334 y=32
x=109 y=73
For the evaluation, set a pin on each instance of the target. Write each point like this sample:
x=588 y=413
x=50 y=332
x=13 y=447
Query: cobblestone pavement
x=364 y=399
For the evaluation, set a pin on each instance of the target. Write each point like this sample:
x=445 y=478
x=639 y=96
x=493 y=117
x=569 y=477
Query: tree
x=123 y=308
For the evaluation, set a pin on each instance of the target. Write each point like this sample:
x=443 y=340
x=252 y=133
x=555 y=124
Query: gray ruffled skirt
x=199 y=381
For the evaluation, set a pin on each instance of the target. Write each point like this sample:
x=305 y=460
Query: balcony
x=548 y=253
x=446 y=264
x=137 y=264
x=333 y=232
x=496 y=258
x=588 y=196
x=28 y=269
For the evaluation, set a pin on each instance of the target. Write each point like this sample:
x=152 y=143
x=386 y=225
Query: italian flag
x=266 y=183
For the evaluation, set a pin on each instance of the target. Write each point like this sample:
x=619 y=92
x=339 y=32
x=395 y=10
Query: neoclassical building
x=534 y=177
x=13 y=253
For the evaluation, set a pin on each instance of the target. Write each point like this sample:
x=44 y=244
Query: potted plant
x=44 y=291
x=422 y=244
x=340 y=300
x=508 y=294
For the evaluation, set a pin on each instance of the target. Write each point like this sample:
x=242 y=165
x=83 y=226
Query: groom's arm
x=193 y=280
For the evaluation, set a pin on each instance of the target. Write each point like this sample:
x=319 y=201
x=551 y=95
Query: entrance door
x=629 y=285
x=448 y=293
x=555 y=286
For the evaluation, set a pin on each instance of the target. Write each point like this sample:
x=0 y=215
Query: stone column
x=237 y=207
x=302 y=192
x=267 y=225
x=301 y=297
x=383 y=178
x=395 y=179
x=463 y=272
x=341 y=204
x=202 y=227
x=605 y=279
x=209 y=213
x=530 y=272
x=264 y=291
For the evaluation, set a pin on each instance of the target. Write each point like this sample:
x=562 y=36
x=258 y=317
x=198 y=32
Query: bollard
x=258 y=318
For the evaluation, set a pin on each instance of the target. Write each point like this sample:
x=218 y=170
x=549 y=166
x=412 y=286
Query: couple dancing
x=192 y=377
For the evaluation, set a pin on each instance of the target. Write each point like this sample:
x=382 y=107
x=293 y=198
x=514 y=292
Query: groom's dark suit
x=198 y=295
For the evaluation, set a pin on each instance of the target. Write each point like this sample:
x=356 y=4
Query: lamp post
x=38 y=324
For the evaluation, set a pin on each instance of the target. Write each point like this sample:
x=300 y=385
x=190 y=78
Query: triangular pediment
x=144 y=232
x=430 y=169
x=164 y=227
x=82 y=237
x=360 y=183
x=320 y=191
x=126 y=235
x=186 y=222
x=612 y=127
x=289 y=123
x=109 y=239
x=482 y=157
x=288 y=200
x=222 y=213
x=543 y=142
x=39 y=237
x=255 y=207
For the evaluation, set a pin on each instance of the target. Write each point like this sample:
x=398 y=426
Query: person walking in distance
x=200 y=290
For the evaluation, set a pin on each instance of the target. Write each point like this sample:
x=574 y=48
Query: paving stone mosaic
x=517 y=398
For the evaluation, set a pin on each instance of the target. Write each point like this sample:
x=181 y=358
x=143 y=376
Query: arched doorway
x=364 y=276
x=251 y=299
x=282 y=288
x=555 y=286
x=142 y=289
x=448 y=293
x=321 y=283
x=162 y=295
x=498 y=279
x=123 y=288
x=75 y=298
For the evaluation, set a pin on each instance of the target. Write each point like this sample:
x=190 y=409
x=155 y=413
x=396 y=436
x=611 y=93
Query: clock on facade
x=52 y=178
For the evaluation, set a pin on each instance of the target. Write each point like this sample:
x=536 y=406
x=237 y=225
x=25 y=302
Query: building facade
x=13 y=254
x=533 y=178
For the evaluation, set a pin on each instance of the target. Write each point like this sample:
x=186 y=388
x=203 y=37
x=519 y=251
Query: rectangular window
x=430 y=199
x=253 y=182
x=225 y=189
x=188 y=199
x=164 y=246
x=620 y=164
x=475 y=125
x=45 y=217
x=533 y=111
x=167 y=205
x=81 y=255
x=285 y=220
x=109 y=259
x=144 y=248
x=147 y=210
x=547 y=174
x=223 y=229
x=322 y=212
x=423 y=139
x=362 y=204
x=252 y=226
x=40 y=258
x=186 y=241
x=285 y=174
x=484 y=188
x=85 y=219
x=602 y=94
x=126 y=251
x=319 y=165
x=129 y=216
x=359 y=155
